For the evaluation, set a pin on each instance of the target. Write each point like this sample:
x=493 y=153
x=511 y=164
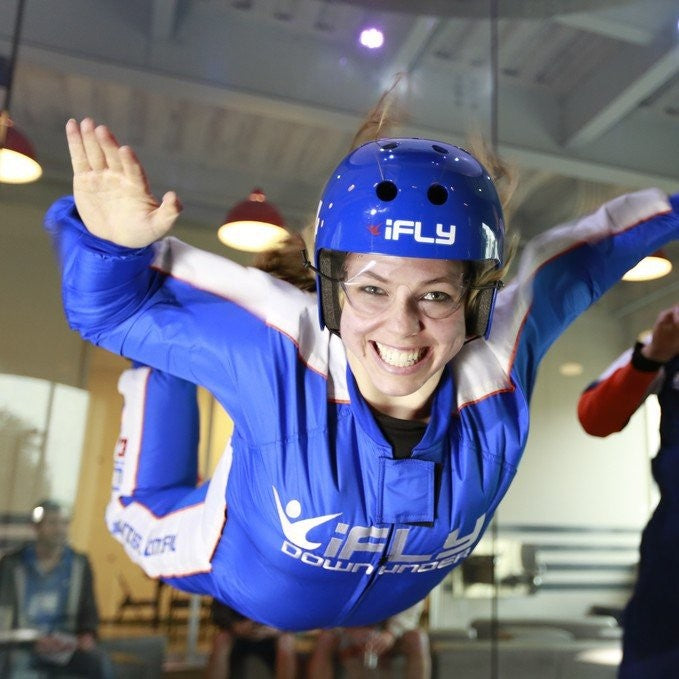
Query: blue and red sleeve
x=606 y=406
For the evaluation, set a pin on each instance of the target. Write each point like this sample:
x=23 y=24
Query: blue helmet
x=407 y=198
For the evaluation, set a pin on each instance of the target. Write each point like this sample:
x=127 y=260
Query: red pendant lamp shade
x=18 y=163
x=649 y=268
x=253 y=224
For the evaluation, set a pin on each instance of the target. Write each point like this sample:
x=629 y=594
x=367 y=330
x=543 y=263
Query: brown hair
x=382 y=118
x=286 y=262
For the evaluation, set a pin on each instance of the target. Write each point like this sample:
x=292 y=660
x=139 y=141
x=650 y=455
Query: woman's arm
x=564 y=270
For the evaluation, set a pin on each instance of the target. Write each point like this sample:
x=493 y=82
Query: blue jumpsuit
x=651 y=617
x=309 y=521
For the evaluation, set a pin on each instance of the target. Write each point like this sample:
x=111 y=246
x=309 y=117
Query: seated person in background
x=49 y=588
x=651 y=617
x=400 y=633
x=237 y=637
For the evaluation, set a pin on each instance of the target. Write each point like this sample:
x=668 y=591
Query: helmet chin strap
x=327 y=284
x=306 y=263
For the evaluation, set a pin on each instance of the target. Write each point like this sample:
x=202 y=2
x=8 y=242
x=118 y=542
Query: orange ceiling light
x=649 y=268
x=253 y=225
x=18 y=163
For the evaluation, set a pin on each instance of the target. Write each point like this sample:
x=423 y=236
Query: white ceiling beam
x=651 y=299
x=203 y=92
x=318 y=116
x=163 y=19
x=614 y=90
x=600 y=24
x=585 y=169
x=411 y=49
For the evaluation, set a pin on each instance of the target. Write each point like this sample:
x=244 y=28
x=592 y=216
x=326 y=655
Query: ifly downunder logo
x=296 y=531
x=347 y=548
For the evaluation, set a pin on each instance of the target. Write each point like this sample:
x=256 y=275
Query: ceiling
x=220 y=96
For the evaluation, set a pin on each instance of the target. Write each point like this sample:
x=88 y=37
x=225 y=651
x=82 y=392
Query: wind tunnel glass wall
x=42 y=429
x=218 y=97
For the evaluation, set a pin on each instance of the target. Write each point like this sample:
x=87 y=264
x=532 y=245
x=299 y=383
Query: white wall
x=567 y=476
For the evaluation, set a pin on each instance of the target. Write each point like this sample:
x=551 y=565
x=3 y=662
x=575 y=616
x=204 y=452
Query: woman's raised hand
x=111 y=190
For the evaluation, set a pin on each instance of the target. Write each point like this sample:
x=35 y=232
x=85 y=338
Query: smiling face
x=402 y=321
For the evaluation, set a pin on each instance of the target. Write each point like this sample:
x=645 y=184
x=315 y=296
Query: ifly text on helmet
x=406 y=227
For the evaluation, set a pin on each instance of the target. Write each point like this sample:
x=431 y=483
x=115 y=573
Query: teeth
x=399 y=359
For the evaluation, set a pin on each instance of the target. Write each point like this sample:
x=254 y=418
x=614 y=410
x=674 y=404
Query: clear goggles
x=376 y=284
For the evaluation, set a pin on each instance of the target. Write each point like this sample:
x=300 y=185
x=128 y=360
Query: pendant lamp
x=253 y=225
x=649 y=268
x=18 y=163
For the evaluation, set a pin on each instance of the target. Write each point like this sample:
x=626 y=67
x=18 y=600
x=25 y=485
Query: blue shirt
x=46 y=594
x=309 y=520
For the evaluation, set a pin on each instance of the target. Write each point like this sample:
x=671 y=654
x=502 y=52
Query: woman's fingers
x=76 y=148
x=168 y=210
x=109 y=146
x=91 y=147
x=171 y=202
x=131 y=167
x=95 y=155
x=166 y=214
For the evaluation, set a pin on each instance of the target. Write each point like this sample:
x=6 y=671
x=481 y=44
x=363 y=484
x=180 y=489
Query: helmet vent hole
x=437 y=194
x=389 y=146
x=440 y=149
x=386 y=191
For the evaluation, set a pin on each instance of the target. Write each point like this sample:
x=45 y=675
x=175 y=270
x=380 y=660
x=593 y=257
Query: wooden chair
x=148 y=605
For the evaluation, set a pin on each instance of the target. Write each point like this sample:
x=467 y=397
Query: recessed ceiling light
x=571 y=369
x=371 y=38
